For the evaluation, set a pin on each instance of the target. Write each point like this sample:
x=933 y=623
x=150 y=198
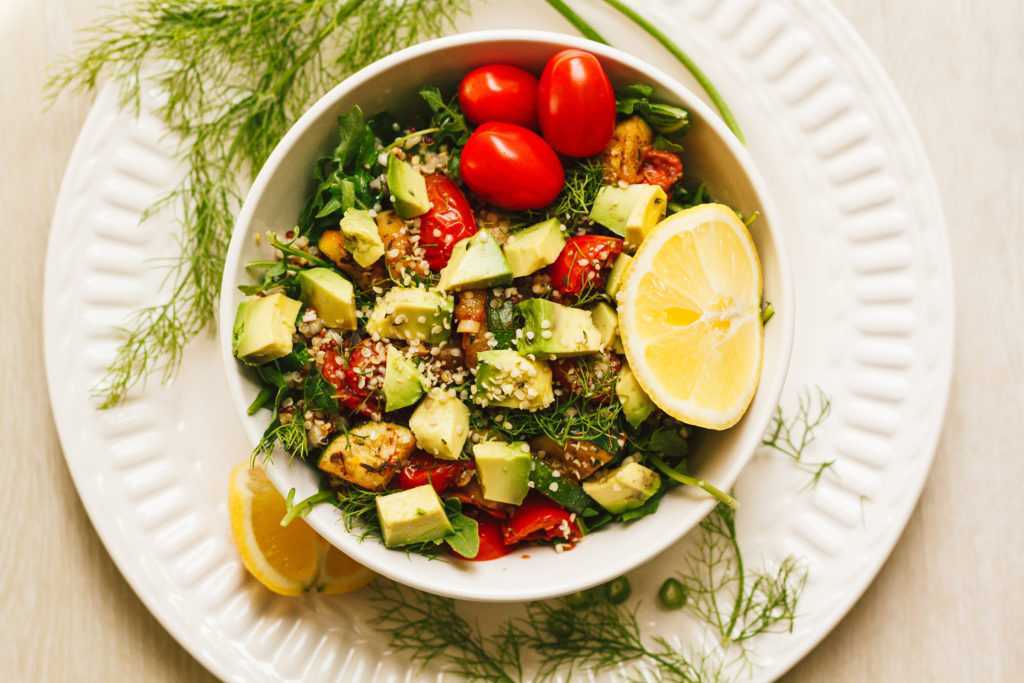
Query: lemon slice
x=289 y=560
x=689 y=316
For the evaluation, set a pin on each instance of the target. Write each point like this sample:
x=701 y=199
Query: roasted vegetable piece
x=539 y=518
x=577 y=459
x=423 y=468
x=624 y=155
x=369 y=455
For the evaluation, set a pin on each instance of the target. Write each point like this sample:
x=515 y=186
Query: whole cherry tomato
x=661 y=167
x=449 y=220
x=576 y=104
x=423 y=468
x=499 y=92
x=511 y=167
x=582 y=263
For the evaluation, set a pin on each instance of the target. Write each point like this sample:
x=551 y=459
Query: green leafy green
x=665 y=119
x=318 y=394
x=464 y=539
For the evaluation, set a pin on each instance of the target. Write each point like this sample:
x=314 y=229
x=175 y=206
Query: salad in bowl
x=489 y=309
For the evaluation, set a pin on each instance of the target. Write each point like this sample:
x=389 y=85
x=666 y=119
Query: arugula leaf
x=465 y=540
x=319 y=394
x=663 y=118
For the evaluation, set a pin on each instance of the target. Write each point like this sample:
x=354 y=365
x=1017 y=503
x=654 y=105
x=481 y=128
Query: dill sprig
x=572 y=205
x=739 y=604
x=234 y=75
x=792 y=435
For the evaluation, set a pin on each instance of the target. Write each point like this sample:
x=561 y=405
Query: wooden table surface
x=946 y=606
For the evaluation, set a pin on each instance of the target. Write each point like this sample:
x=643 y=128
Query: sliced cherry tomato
x=661 y=167
x=499 y=92
x=492 y=544
x=424 y=468
x=582 y=263
x=540 y=518
x=346 y=377
x=511 y=167
x=576 y=104
x=449 y=220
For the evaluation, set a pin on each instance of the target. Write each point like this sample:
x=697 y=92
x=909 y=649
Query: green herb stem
x=671 y=473
x=577 y=21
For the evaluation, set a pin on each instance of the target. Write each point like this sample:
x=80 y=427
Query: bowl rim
x=324 y=521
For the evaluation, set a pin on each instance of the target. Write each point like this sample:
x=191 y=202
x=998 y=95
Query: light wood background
x=947 y=605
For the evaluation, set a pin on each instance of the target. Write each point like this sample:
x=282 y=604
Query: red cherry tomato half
x=582 y=263
x=511 y=167
x=661 y=167
x=576 y=104
x=423 y=468
x=499 y=92
x=492 y=544
x=449 y=220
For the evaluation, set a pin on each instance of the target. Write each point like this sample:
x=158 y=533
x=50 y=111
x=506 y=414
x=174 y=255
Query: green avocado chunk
x=330 y=295
x=624 y=488
x=441 y=425
x=617 y=274
x=637 y=406
x=554 y=330
x=412 y=313
x=361 y=237
x=505 y=378
x=503 y=470
x=630 y=211
x=413 y=516
x=408 y=187
x=476 y=262
x=532 y=248
x=606 y=320
x=263 y=328
x=403 y=383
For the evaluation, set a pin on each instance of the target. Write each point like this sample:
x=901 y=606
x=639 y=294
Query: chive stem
x=577 y=21
x=671 y=473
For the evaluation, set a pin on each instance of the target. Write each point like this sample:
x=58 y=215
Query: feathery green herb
x=234 y=76
x=791 y=436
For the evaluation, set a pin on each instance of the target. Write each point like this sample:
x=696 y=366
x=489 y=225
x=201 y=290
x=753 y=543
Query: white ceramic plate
x=873 y=283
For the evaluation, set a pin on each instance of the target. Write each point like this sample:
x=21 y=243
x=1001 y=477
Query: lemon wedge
x=689 y=316
x=289 y=560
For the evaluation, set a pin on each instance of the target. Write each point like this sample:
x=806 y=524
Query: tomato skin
x=576 y=104
x=582 y=263
x=511 y=167
x=370 y=369
x=661 y=167
x=492 y=544
x=499 y=92
x=449 y=220
x=540 y=518
x=423 y=468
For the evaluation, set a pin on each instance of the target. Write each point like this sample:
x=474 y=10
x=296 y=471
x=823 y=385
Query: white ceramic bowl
x=712 y=154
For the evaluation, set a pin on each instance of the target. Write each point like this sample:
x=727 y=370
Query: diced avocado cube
x=413 y=516
x=476 y=262
x=630 y=211
x=412 y=313
x=618 y=347
x=263 y=328
x=505 y=378
x=636 y=404
x=624 y=488
x=408 y=187
x=606 y=320
x=617 y=274
x=403 y=383
x=331 y=295
x=361 y=237
x=441 y=425
x=503 y=470
x=555 y=330
x=537 y=246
